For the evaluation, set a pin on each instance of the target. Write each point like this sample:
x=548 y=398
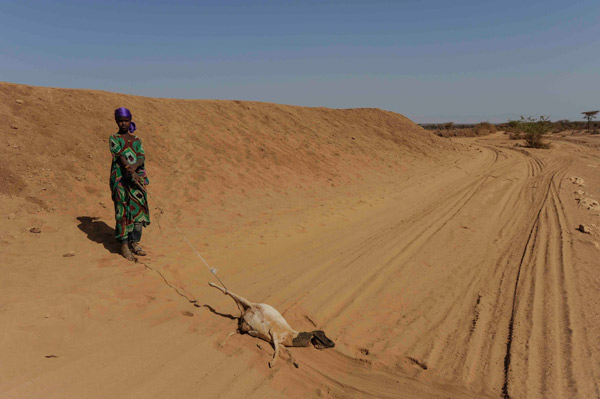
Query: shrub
x=484 y=128
x=514 y=136
x=562 y=125
x=533 y=130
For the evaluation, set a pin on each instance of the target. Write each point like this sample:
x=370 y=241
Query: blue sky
x=433 y=61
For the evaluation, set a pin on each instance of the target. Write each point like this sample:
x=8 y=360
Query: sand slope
x=441 y=268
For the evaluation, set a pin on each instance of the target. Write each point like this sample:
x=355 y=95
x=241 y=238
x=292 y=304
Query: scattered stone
x=589 y=203
x=577 y=180
x=11 y=216
x=584 y=229
x=36 y=230
x=580 y=192
x=13 y=126
x=68 y=254
x=19 y=101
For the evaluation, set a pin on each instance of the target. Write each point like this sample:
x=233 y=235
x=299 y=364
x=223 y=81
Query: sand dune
x=441 y=267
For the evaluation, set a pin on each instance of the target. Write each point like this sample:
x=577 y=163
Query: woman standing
x=127 y=183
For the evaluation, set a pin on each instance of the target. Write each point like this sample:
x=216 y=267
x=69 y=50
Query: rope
x=212 y=270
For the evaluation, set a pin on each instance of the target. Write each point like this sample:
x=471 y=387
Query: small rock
x=19 y=101
x=584 y=229
x=187 y=313
x=13 y=126
x=589 y=203
x=11 y=216
x=68 y=254
x=577 y=180
x=36 y=230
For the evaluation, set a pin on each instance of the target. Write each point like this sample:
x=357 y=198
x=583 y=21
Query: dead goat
x=263 y=321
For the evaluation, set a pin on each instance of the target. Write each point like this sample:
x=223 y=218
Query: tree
x=589 y=115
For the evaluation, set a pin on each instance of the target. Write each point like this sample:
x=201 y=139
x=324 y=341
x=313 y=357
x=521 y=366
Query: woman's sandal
x=138 y=250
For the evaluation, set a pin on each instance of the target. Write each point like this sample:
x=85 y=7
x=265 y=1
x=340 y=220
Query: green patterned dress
x=131 y=203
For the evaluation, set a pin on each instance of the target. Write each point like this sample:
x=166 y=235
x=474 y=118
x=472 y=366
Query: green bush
x=533 y=130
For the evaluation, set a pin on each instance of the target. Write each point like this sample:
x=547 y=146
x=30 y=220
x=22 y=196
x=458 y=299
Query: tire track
x=546 y=334
x=437 y=213
x=509 y=340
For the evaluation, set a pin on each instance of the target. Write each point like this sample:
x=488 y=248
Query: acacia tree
x=589 y=115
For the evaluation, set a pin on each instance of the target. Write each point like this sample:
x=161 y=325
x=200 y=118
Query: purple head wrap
x=125 y=113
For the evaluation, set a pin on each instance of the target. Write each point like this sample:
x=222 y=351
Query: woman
x=127 y=184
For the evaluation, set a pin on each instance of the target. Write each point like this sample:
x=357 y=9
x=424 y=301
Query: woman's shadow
x=99 y=232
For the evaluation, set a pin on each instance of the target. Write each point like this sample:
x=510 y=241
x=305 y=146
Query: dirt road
x=466 y=276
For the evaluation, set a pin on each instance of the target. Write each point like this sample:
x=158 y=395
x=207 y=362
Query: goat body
x=265 y=322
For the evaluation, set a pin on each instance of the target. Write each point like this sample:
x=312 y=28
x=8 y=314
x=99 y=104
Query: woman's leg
x=135 y=237
x=136 y=234
x=121 y=233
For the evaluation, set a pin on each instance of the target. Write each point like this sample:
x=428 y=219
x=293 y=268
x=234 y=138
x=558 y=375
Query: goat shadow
x=99 y=232
x=225 y=315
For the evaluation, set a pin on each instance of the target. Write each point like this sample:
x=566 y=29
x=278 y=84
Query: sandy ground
x=440 y=267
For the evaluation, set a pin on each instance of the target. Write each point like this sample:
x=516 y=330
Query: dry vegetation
x=513 y=128
x=449 y=129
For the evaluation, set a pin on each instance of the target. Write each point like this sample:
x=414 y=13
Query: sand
x=440 y=267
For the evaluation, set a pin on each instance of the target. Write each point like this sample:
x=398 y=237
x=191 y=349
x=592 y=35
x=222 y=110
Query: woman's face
x=124 y=124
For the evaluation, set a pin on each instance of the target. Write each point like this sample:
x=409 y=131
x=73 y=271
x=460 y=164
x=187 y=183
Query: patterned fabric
x=131 y=203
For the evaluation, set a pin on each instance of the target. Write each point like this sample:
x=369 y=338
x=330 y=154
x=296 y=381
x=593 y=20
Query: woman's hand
x=137 y=178
x=131 y=168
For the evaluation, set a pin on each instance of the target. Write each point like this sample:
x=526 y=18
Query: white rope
x=161 y=207
x=210 y=269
